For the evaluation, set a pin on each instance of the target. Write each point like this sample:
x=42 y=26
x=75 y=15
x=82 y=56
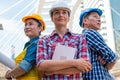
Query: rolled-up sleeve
x=25 y=65
x=96 y=42
x=30 y=58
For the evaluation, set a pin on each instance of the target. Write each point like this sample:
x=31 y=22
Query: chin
x=28 y=35
x=97 y=28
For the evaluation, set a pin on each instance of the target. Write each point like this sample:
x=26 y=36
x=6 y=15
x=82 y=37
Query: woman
x=62 y=69
x=25 y=62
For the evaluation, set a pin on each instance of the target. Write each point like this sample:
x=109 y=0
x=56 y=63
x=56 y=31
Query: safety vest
x=32 y=74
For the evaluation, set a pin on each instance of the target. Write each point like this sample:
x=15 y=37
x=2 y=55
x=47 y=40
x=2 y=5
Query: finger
x=88 y=66
x=9 y=78
x=84 y=65
x=102 y=61
x=99 y=57
x=86 y=69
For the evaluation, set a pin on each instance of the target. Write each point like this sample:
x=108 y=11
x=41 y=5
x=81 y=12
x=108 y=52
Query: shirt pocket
x=51 y=49
x=74 y=44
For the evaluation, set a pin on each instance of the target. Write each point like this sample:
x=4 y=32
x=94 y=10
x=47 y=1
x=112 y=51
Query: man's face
x=92 y=21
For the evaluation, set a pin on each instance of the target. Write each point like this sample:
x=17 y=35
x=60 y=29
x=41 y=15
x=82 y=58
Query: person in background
x=102 y=57
x=25 y=68
x=68 y=69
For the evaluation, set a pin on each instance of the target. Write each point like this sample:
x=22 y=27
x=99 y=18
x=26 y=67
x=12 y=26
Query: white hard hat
x=59 y=5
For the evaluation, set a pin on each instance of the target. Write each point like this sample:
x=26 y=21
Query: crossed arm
x=65 y=66
x=106 y=56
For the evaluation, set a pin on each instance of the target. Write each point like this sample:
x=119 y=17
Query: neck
x=61 y=31
x=31 y=37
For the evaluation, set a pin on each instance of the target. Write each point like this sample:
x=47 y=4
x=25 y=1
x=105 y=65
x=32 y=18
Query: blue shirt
x=96 y=47
x=30 y=58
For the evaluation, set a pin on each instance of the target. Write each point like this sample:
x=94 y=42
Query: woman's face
x=31 y=28
x=60 y=17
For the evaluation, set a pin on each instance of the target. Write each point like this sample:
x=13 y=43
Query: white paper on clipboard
x=63 y=52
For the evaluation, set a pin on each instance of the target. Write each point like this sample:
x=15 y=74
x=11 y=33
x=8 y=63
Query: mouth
x=27 y=30
x=61 y=19
x=98 y=23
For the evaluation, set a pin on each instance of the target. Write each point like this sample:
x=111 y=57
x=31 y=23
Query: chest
x=71 y=42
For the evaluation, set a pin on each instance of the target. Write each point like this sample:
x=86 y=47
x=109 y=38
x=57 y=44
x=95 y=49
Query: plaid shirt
x=96 y=47
x=46 y=47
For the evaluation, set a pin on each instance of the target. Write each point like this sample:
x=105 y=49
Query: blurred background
x=12 y=37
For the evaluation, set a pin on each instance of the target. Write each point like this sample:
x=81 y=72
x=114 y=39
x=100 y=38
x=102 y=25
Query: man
x=62 y=69
x=90 y=21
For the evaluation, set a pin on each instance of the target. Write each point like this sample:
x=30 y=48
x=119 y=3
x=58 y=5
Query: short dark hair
x=39 y=23
x=86 y=16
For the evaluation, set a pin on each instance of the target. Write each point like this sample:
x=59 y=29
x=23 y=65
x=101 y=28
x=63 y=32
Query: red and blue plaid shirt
x=46 y=47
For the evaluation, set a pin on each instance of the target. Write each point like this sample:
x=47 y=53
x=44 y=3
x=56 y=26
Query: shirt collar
x=31 y=41
x=85 y=29
x=55 y=33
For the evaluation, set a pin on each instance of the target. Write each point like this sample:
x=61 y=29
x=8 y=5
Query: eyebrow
x=61 y=9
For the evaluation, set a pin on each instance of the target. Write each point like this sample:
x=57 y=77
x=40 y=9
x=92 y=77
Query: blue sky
x=11 y=13
x=16 y=8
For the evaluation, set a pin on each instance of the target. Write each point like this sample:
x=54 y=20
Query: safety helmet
x=87 y=11
x=59 y=5
x=37 y=17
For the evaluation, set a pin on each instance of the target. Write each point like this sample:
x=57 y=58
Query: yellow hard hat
x=37 y=17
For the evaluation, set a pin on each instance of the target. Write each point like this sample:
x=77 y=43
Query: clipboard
x=63 y=52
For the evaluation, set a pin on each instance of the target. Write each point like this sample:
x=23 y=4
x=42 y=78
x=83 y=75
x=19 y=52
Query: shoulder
x=44 y=38
x=32 y=41
x=77 y=36
x=91 y=32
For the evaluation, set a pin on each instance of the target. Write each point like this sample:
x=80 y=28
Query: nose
x=98 y=19
x=61 y=14
x=26 y=26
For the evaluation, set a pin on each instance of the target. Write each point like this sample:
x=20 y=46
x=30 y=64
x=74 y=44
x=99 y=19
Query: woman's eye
x=64 y=12
x=28 y=24
x=56 y=12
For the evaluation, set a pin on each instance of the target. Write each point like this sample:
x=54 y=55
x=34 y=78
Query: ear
x=68 y=19
x=85 y=20
x=40 y=28
x=52 y=18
